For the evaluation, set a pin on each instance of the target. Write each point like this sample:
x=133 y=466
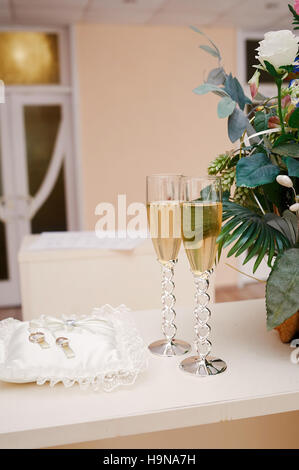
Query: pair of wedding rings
x=39 y=338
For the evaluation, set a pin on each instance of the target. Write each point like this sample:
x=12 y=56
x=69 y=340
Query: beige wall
x=138 y=114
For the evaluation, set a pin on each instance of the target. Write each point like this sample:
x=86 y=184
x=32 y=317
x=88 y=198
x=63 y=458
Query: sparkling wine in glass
x=201 y=224
x=164 y=219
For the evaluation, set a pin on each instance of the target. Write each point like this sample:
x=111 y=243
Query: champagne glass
x=201 y=225
x=164 y=218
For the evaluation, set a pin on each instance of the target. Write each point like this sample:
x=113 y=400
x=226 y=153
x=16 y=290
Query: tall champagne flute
x=164 y=218
x=201 y=225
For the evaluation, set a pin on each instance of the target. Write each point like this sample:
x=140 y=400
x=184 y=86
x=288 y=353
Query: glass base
x=212 y=366
x=176 y=347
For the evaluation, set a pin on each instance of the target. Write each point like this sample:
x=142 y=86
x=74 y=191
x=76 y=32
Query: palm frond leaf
x=252 y=232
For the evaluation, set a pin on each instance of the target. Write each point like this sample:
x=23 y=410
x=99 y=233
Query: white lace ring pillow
x=107 y=350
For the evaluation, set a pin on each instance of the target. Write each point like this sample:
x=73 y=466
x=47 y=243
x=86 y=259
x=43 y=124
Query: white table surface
x=260 y=380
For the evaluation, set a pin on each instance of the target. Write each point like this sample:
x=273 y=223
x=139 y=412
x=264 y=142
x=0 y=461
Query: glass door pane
x=41 y=124
x=52 y=215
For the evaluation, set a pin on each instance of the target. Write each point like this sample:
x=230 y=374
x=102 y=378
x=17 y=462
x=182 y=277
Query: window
x=251 y=45
x=247 y=42
x=29 y=58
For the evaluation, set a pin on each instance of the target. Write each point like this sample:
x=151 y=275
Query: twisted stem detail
x=168 y=301
x=202 y=315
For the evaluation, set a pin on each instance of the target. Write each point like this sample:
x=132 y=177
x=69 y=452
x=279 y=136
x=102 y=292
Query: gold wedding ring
x=39 y=338
x=63 y=343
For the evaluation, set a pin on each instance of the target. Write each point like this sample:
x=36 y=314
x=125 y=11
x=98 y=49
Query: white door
x=38 y=191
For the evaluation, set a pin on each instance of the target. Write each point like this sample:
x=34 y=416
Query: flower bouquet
x=260 y=177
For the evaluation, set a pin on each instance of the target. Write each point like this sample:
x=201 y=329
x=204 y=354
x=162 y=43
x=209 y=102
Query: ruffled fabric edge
x=131 y=348
x=7 y=326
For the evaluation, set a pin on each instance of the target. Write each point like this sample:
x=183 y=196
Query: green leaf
x=207 y=87
x=294 y=119
x=251 y=231
x=275 y=193
x=282 y=299
x=194 y=28
x=295 y=15
x=282 y=139
x=235 y=91
x=206 y=193
x=262 y=251
x=287 y=150
x=292 y=166
x=255 y=248
x=242 y=98
x=245 y=241
x=287 y=68
x=271 y=69
x=237 y=124
x=217 y=76
x=255 y=170
x=283 y=225
x=210 y=50
x=250 y=131
x=292 y=220
x=246 y=232
x=261 y=121
x=225 y=107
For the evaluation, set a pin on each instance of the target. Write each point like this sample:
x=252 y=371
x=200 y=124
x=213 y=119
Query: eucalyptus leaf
x=255 y=170
x=216 y=76
x=250 y=131
x=287 y=150
x=282 y=299
x=237 y=124
x=194 y=28
x=225 y=107
x=235 y=91
x=210 y=50
x=207 y=87
x=242 y=98
x=259 y=97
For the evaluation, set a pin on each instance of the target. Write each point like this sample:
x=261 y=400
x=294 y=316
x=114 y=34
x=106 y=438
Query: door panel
x=3 y=242
x=39 y=192
x=9 y=287
x=42 y=124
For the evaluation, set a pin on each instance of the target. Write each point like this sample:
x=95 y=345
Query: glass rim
x=202 y=178
x=165 y=175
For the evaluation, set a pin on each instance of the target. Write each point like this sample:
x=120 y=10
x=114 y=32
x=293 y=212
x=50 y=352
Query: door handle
x=8 y=204
x=25 y=215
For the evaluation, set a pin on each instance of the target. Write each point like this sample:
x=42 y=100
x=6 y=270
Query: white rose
x=278 y=47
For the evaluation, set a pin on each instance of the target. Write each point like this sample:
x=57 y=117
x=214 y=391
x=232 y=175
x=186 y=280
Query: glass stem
x=202 y=315
x=168 y=301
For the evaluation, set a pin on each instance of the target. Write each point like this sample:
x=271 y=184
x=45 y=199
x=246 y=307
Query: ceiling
x=243 y=14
